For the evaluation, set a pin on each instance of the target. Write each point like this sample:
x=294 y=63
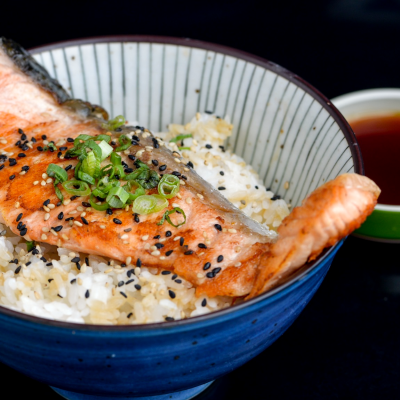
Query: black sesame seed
x=256 y=187
x=33 y=140
x=221 y=188
x=20 y=225
x=87 y=294
x=154 y=162
x=26 y=148
x=43 y=259
x=23 y=137
x=129 y=315
x=134 y=143
x=70 y=140
x=181 y=241
x=121 y=283
x=218 y=227
x=78 y=266
x=132 y=157
x=113 y=143
x=208 y=146
x=76 y=259
x=169 y=319
x=130 y=273
x=15 y=261
x=188 y=253
x=12 y=177
x=163 y=167
x=49 y=264
x=72 y=281
x=178 y=281
x=50 y=280
x=21 y=155
x=109 y=211
x=165 y=272
x=69 y=219
x=25 y=168
x=222 y=173
x=202 y=246
x=46 y=202
x=123 y=294
x=204 y=303
x=128 y=170
x=68 y=167
x=86 y=261
x=190 y=164
x=137 y=287
x=1 y=167
x=159 y=245
x=276 y=197
x=207 y=266
x=84 y=220
x=136 y=218
x=58 y=228
x=35 y=251
x=23 y=232
x=60 y=216
x=19 y=217
x=174 y=276
x=171 y=294
x=20 y=131
x=28 y=263
x=44 y=137
x=63 y=148
x=184 y=177
x=12 y=162
x=169 y=252
x=18 y=269
x=176 y=173
x=130 y=281
x=39 y=148
x=74 y=197
x=220 y=258
x=210 y=275
x=157 y=237
x=59 y=295
x=134 y=137
x=18 y=143
x=216 y=270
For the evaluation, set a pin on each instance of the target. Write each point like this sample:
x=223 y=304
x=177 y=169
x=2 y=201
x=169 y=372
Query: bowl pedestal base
x=183 y=395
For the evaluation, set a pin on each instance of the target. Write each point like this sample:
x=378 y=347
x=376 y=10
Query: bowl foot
x=183 y=395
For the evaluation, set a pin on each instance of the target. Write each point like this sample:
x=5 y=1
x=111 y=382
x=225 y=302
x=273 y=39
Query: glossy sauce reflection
x=379 y=140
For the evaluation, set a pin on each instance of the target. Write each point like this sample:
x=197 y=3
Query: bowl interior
x=286 y=130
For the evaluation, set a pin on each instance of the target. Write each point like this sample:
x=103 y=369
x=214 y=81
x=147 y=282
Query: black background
x=346 y=342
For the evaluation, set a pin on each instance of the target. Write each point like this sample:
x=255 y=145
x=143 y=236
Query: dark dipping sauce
x=379 y=140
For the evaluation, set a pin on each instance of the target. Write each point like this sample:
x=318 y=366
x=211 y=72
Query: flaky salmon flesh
x=219 y=249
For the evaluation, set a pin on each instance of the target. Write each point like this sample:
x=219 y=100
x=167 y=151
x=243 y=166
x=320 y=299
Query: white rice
x=104 y=292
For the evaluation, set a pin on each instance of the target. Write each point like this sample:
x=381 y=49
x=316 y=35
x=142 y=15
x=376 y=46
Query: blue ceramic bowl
x=286 y=129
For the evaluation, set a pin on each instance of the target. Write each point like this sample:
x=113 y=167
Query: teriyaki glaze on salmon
x=71 y=178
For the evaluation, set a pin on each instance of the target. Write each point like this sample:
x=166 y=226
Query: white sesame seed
x=45 y=176
x=145 y=237
x=155 y=253
x=72 y=212
x=45 y=142
x=176 y=238
x=153 y=248
x=125 y=242
x=22 y=173
x=71 y=254
x=232 y=230
x=200 y=254
x=37 y=295
x=45 y=229
x=35 y=183
x=30 y=145
x=200 y=196
x=124 y=236
x=108 y=271
x=53 y=232
x=162 y=240
x=146 y=246
x=49 y=180
x=66 y=202
x=128 y=260
x=64 y=236
x=102 y=227
x=45 y=208
x=175 y=205
x=44 y=237
x=149 y=148
x=237 y=249
x=188 y=200
x=238 y=264
x=80 y=281
x=199 y=275
x=186 y=169
x=178 y=195
x=177 y=160
x=46 y=216
x=51 y=206
x=137 y=271
x=139 y=153
x=43 y=183
x=3 y=141
x=83 y=268
x=83 y=214
x=207 y=242
x=17 y=204
x=77 y=223
x=80 y=208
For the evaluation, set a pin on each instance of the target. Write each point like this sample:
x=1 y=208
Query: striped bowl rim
x=212 y=317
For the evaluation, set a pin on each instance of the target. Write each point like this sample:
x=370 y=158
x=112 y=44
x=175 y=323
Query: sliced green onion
x=77 y=169
x=168 y=213
x=50 y=146
x=105 y=184
x=124 y=142
x=58 y=191
x=105 y=148
x=106 y=138
x=138 y=192
x=82 y=189
x=181 y=137
x=91 y=165
x=116 y=159
x=183 y=148
x=162 y=202
x=168 y=186
x=146 y=177
x=99 y=193
x=55 y=171
x=95 y=147
x=83 y=176
x=81 y=137
x=115 y=123
x=107 y=170
x=144 y=204
x=30 y=245
x=117 y=197
x=98 y=207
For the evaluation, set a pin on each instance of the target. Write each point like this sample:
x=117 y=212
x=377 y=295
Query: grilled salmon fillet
x=219 y=249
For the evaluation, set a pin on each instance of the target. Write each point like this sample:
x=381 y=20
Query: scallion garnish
x=76 y=187
x=181 y=137
x=168 y=213
x=147 y=204
x=30 y=245
x=99 y=207
x=124 y=142
x=168 y=186
x=117 y=197
x=115 y=123
x=60 y=175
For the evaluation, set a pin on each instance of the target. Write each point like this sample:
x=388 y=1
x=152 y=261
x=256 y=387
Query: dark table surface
x=346 y=343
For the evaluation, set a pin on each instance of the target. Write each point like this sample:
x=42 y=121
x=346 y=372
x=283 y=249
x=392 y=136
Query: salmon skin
x=218 y=249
